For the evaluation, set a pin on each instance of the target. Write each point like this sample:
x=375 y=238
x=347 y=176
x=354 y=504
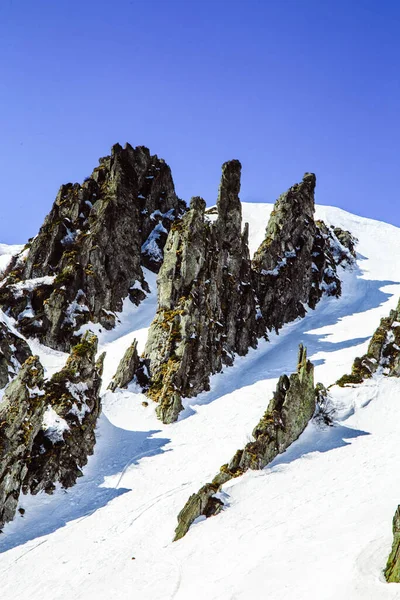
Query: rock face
x=286 y=417
x=206 y=304
x=89 y=253
x=47 y=429
x=21 y=415
x=127 y=368
x=214 y=302
x=14 y=351
x=383 y=352
x=392 y=571
x=296 y=263
x=67 y=435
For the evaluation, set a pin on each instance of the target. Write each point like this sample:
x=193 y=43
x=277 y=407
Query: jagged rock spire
x=296 y=263
x=206 y=304
x=89 y=253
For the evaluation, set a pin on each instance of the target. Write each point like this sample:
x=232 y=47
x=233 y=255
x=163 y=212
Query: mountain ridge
x=143 y=471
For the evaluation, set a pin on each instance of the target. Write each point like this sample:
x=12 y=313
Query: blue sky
x=285 y=86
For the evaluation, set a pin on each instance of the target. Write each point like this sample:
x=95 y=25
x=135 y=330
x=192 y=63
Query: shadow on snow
x=272 y=359
x=315 y=439
x=116 y=450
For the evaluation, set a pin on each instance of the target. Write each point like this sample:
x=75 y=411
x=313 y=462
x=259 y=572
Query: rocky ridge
x=89 y=253
x=297 y=261
x=47 y=427
x=21 y=415
x=67 y=435
x=383 y=352
x=213 y=302
x=206 y=304
x=14 y=351
x=286 y=417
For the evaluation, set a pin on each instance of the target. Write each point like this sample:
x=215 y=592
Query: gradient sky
x=285 y=86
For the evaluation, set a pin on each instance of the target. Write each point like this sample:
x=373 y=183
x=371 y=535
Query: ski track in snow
x=314 y=524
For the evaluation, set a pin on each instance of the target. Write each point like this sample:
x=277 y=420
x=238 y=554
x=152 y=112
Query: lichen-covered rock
x=203 y=502
x=214 y=302
x=21 y=415
x=283 y=262
x=383 y=352
x=206 y=303
x=127 y=368
x=89 y=253
x=67 y=436
x=392 y=571
x=14 y=351
x=286 y=417
x=297 y=261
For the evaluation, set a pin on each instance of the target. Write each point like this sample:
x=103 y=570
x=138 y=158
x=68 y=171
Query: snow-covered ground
x=6 y=254
x=315 y=524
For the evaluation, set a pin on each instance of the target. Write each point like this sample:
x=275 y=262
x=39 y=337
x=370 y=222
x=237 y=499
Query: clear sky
x=285 y=86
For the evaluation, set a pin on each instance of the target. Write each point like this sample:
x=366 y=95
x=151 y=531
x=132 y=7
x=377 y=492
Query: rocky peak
x=206 y=309
x=89 y=253
x=229 y=222
x=297 y=261
x=208 y=288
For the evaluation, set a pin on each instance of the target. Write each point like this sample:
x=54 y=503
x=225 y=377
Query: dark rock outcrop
x=383 y=352
x=21 y=415
x=127 y=368
x=14 y=351
x=286 y=417
x=392 y=571
x=297 y=261
x=67 y=436
x=213 y=302
x=206 y=304
x=89 y=253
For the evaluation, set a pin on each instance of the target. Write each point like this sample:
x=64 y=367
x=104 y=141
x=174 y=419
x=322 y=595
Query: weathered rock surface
x=383 y=352
x=206 y=303
x=392 y=571
x=21 y=415
x=127 y=368
x=296 y=263
x=89 y=253
x=14 y=351
x=67 y=435
x=286 y=417
x=214 y=302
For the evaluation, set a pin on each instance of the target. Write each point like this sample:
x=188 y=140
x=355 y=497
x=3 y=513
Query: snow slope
x=316 y=523
x=6 y=254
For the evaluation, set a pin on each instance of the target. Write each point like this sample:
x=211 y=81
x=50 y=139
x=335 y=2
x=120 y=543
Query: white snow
x=31 y=284
x=54 y=425
x=6 y=254
x=315 y=524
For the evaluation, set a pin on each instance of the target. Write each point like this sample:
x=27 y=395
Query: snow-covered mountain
x=315 y=523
